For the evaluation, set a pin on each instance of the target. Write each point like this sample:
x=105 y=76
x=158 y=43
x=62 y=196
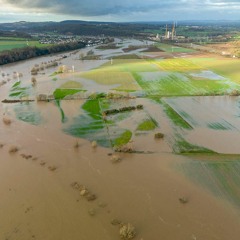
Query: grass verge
x=123 y=139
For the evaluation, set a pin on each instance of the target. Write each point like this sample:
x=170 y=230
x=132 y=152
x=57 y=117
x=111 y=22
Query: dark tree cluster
x=14 y=34
x=19 y=54
x=123 y=109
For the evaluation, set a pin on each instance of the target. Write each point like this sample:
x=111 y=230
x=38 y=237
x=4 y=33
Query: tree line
x=18 y=54
x=93 y=29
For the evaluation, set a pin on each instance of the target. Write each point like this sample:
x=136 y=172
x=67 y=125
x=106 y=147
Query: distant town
x=45 y=38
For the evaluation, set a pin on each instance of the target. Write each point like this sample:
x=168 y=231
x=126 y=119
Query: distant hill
x=77 y=27
x=131 y=29
x=22 y=25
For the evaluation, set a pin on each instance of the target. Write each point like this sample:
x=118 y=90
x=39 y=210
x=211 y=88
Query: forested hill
x=92 y=29
x=79 y=28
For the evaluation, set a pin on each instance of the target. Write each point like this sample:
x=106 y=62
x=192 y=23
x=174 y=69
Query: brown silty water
x=38 y=201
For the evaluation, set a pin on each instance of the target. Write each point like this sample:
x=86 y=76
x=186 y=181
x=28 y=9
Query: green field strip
x=62 y=93
x=121 y=81
x=70 y=85
x=228 y=68
x=178 y=65
x=177 y=84
x=176 y=119
x=9 y=45
x=221 y=177
x=181 y=146
x=129 y=65
x=18 y=91
x=147 y=125
x=122 y=139
x=172 y=48
x=63 y=116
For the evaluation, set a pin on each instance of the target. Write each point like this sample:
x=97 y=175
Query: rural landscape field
x=144 y=138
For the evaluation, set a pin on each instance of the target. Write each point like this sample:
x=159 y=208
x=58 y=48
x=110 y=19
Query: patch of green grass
x=55 y=74
x=121 y=80
x=147 y=125
x=93 y=108
x=178 y=65
x=175 y=117
x=179 y=84
x=62 y=93
x=126 y=56
x=63 y=117
x=71 y=85
x=15 y=94
x=16 y=84
x=170 y=85
x=18 y=91
x=8 y=45
x=123 y=139
x=173 y=49
x=105 y=103
x=97 y=96
x=181 y=146
x=226 y=67
x=55 y=79
x=129 y=65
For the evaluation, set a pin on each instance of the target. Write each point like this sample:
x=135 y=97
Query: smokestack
x=173 y=31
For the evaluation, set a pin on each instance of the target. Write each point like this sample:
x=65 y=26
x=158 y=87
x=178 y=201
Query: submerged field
x=151 y=141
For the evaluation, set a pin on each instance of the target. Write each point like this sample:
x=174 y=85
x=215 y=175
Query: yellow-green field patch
x=121 y=80
x=174 y=49
x=228 y=68
x=178 y=65
x=129 y=65
x=71 y=85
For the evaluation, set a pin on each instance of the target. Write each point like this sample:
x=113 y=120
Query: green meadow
x=6 y=44
x=175 y=49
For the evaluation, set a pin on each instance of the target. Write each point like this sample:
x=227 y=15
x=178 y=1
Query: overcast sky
x=118 y=10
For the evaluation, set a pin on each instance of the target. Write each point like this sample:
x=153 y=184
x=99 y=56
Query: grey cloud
x=117 y=7
x=98 y=7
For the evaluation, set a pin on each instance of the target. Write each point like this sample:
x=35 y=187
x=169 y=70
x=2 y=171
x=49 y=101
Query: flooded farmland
x=119 y=148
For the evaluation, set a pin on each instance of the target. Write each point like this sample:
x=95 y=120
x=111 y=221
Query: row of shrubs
x=124 y=109
x=16 y=100
x=42 y=66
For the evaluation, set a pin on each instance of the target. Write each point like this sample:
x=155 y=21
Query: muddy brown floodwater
x=39 y=200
